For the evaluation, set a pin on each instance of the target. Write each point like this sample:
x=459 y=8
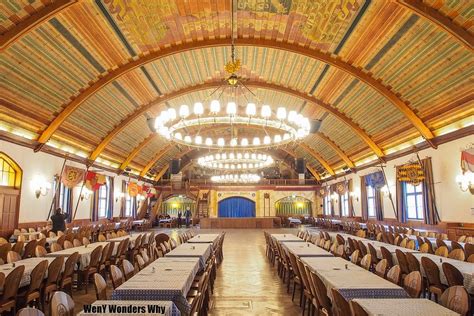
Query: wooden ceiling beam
x=256 y=84
x=136 y=150
x=162 y=172
x=152 y=162
x=440 y=20
x=19 y=30
x=336 y=148
x=318 y=157
x=328 y=58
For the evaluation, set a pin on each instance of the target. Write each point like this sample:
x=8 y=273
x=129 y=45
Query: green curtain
x=168 y=208
x=289 y=208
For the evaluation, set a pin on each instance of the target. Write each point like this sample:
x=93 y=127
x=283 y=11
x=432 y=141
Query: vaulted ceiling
x=83 y=76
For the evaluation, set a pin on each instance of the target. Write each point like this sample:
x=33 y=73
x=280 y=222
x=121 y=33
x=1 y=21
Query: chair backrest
x=412 y=284
x=85 y=241
x=100 y=287
x=116 y=276
x=456 y=245
x=431 y=271
x=37 y=276
x=440 y=243
x=56 y=247
x=355 y=257
x=13 y=256
x=161 y=238
x=402 y=261
x=105 y=253
x=12 y=283
x=61 y=304
x=321 y=291
x=456 y=299
x=366 y=261
x=453 y=275
x=340 y=239
x=18 y=247
x=394 y=274
x=469 y=249
x=30 y=311
x=413 y=263
x=442 y=251
x=362 y=248
x=40 y=251
x=424 y=248
x=357 y=310
x=381 y=268
x=54 y=270
x=29 y=249
x=67 y=244
x=462 y=238
x=457 y=254
x=95 y=257
x=470 y=258
x=41 y=242
x=340 y=305
x=76 y=242
x=128 y=269
x=411 y=245
x=140 y=261
x=101 y=238
x=4 y=249
x=386 y=254
x=69 y=265
x=404 y=242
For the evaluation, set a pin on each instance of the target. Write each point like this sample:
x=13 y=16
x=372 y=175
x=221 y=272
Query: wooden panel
x=9 y=208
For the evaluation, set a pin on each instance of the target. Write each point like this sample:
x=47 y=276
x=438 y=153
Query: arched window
x=10 y=172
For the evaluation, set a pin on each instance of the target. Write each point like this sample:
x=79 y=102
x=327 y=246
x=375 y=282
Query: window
x=65 y=198
x=129 y=203
x=7 y=173
x=414 y=201
x=103 y=200
x=344 y=204
x=327 y=205
x=371 y=201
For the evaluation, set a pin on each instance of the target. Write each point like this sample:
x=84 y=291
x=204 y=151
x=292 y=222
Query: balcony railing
x=263 y=182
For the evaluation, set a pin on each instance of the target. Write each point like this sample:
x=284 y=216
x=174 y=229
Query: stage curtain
x=290 y=208
x=363 y=199
x=236 y=207
x=110 y=209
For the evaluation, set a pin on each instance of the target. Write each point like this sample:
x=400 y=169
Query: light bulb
x=231 y=108
x=172 y=114
x=218 y=156
x=208 y=141
x=256 y=141
x=198 y=140
x=164 y=116
x=239 y=155
x=231 y=156
x=281 y=113
x=244 y=142
x=267 y=140
x=198 y=108
x=224 y=156
x=233 y=142
x=220 y=142
x=286 y=136
x=292 y=116
x=266 y=111
x=184 y=111
x=251 y=109
x=246 y=155
x=178 y=136
x=187 y=139
x=253 y=156
x=277 y=138
x=215 y=106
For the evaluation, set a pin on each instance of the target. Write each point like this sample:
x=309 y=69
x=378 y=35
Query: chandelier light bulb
x=267 y=140
x=286 y=136
x=198 y=140
x=172 y=114
x=208 y=141
x=266 y=111
x=164 y=116
x=292 y=116
x=251 y=109
x=215 y=106
x=218 y=156
x=220 y=142
x=244 y=142
x=198 y=109
x=239 y=156
x=231 y=108
x=178 y=136
x=184 y=111
x=246 y=155
x=233 y=142
x=277 y=138
x=231 y=156
x=187 y=139
x=256 y=141
x=281 y=113
x=253 y=156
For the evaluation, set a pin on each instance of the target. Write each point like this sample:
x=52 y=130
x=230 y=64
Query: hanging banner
x=411 y=173
x=467 y=160
x=72 y=176
x=132 y=189
x=341 y=188
x=94 y=180
x=148 y=191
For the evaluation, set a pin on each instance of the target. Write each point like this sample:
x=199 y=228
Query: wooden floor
x=246 y=282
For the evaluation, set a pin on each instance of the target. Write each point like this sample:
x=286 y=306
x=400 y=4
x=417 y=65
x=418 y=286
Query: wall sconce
x=40 y=186
x=354 y=195
x=466 y=182
x=86 y=194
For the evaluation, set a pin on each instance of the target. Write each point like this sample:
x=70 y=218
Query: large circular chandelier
x=235 y=161
x=236 y=178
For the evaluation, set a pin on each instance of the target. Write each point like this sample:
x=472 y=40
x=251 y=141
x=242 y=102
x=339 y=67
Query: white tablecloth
x=29 y=264
x=201 y=251
x=305 y=249
x=132 y=308
x=329 y=263
x=466 y=268
x=285 y=237
x=403 y=307
x=204 y=238
x=166 y=279
x=138 y=222
x=132 y=238
x=84 y=253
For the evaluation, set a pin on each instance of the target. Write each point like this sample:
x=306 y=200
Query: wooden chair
x=116 y=275
x=30 y=311
x=410 y=245
x=456 y=299
x=357 y=310
x=61 y=304
x=100 y=287
x=381 y=268
x=102 y=266
x=432 y=275
x=340 y=306
x=325 y=305
x=297 y=278
x=40 y=251
x=456 y=245
x=307 y=294
x=457 y=254
x=462 y=238
x=33 y=292
x=413 y=284
x=394 y=274
x=101 y=238
x=440 y=243
x=76 y=242
x=92 y=268
x=68 y=244
x=127 y=269
x=3 y=241
x=355 y=257
x=4 y=249
x=366 y=262
x=18 y=247
x=402 y=262
x=51 y=283
x=413 y=263
x=373 y=254
x=452 y=274
x=41 y=242
x=140 y=262
x=67 y=278
x=29 y=249
x=386 y=254
x=13 y=256
x=56 y=247
x=85 y=241
x=362 y=248
x=442 y=251
x=52 y=234
x=470 y=258
x=12 y=283
x=424 y=248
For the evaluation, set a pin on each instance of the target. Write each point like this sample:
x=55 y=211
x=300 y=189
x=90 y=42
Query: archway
x=10 y=188
x=293 y=206
x=236 y=206
x=177 y=204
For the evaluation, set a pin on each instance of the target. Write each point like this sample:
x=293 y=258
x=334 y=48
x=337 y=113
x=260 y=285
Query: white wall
x=46 y=166
x=453 y=204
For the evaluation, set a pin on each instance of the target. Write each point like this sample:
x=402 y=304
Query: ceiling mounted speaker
x=314 y=126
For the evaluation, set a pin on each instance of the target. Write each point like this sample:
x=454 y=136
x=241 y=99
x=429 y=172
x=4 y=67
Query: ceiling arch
x=338 y=150
x=135 y=151
x=318 y=158
x=328 y=58
x=257 y=84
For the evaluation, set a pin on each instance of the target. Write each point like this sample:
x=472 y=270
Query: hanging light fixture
x=235 y=161
x=236 y=178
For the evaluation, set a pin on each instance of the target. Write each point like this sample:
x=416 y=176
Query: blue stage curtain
x=236 y=207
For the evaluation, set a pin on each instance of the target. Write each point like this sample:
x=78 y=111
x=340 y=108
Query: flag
x=467 y=160
x=94 y=180
x=72 y=176
x=132 y=189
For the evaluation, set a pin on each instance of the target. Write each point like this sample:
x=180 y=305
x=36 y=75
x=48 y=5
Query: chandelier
x=236 y=178
x=236 y=161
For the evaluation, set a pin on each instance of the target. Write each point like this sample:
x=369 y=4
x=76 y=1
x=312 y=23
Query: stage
x=240 y=222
